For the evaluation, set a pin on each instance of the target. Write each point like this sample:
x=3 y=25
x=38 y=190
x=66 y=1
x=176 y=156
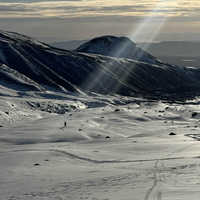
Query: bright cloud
x=90 y=18
x=99 y=8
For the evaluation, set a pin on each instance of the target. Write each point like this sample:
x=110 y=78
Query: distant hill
x=165 y=48
x=118 y=47
x=68 y=45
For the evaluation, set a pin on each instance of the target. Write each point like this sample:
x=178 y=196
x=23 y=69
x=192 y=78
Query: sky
x=64 y=20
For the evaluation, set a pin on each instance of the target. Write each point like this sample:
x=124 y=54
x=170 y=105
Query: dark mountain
x=117 y=47
x=16 y=80
x=31 y=65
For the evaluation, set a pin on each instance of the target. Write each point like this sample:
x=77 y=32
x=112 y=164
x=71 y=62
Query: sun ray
x=153 y=23
x=157 y=21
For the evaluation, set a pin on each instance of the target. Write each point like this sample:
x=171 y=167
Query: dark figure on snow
x=65 y=123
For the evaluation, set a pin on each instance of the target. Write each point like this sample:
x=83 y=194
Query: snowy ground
x=111 y=148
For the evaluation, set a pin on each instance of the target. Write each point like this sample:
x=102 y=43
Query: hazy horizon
x=146 y=21
x=161 y=38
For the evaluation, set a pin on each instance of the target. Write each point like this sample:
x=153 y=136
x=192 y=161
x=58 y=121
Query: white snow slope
x=112 y=148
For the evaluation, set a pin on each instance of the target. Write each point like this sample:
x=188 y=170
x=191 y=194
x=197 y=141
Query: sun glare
x=154 y=21
x=152 y=24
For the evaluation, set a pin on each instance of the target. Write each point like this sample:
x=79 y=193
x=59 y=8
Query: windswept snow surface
x=113 y=147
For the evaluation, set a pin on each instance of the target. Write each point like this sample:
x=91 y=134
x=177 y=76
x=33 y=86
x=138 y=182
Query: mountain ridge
x=50 y=68
x=117 y=47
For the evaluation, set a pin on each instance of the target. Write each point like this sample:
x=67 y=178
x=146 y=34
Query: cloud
x=32 y=1
x=96 y=8
x=87 y=15
x=18 y=8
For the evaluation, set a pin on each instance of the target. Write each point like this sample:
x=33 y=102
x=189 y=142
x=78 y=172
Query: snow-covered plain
x=112 y=147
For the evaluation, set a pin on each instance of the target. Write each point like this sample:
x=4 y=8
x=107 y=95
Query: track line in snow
x=92 y=188
x=74 y=156
x=159 y=196
x=178 y=151
x=157 y=193
x=155 y=181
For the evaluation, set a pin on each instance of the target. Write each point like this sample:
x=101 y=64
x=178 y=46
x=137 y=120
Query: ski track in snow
x=154 y=191
x=86 y=189
x=74 y=156
x=82 y=189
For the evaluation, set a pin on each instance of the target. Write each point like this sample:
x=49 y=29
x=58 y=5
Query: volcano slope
x=134 y=73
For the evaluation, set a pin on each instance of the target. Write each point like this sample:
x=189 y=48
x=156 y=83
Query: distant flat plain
x=192 y=61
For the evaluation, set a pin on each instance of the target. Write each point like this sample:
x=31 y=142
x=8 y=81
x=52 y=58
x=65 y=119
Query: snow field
x=104 y=152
